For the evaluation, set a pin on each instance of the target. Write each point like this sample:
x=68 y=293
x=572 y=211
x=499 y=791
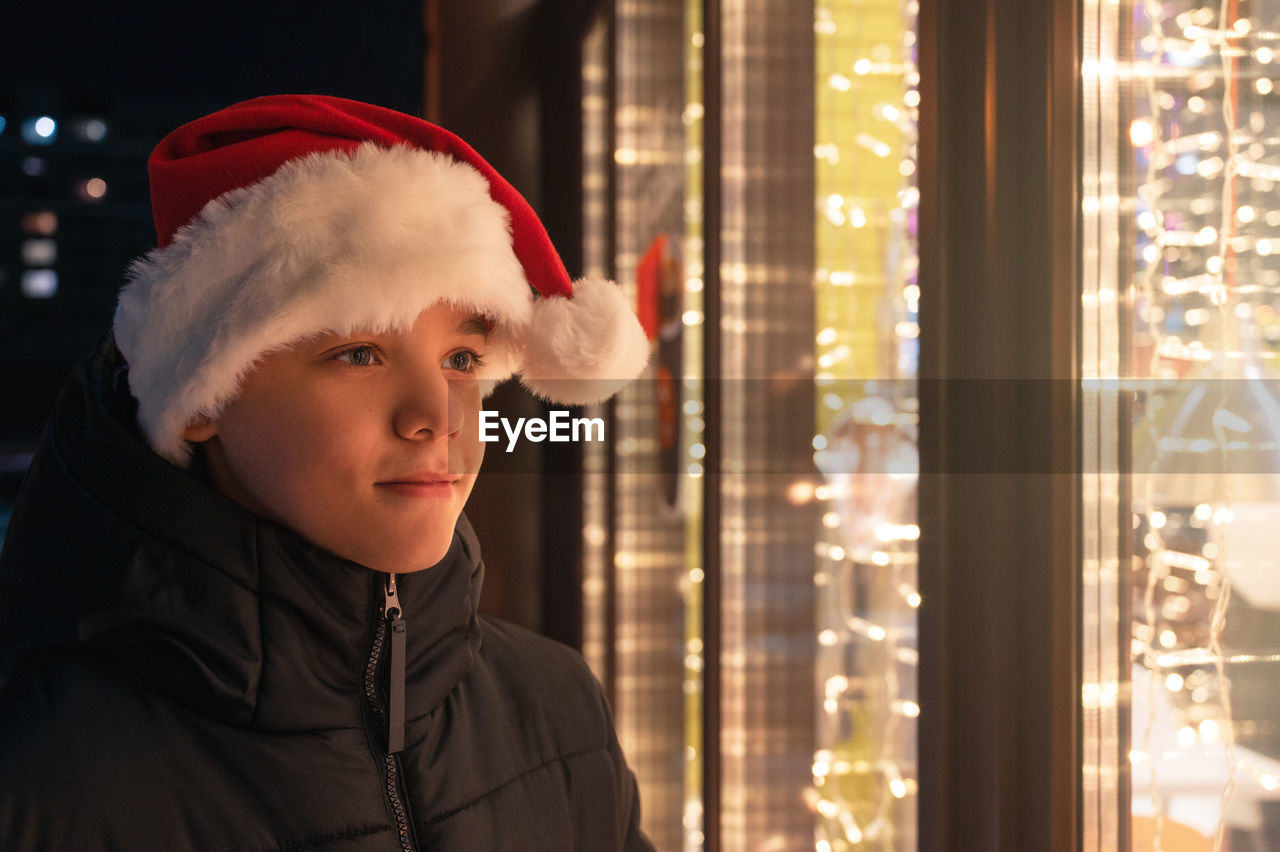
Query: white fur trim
x=584 y=349
x=345 y=242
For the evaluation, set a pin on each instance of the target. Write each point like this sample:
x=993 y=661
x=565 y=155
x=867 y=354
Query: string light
x=865 y=576
x=1204 y=142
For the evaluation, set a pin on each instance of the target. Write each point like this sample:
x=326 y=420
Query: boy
x=237 y=598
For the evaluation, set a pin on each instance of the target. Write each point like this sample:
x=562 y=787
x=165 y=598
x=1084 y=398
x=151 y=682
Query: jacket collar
x=114 y=552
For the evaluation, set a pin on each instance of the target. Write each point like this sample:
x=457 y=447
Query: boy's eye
x=359 y=356
x=463 y=361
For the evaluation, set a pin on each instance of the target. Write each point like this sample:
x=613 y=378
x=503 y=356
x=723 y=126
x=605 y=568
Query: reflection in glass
x=656 y=575
x=1180 y=290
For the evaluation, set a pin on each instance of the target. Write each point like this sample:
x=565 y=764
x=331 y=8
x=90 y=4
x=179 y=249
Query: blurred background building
x=941 y=517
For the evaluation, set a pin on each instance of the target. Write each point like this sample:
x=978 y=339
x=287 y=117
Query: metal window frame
x=999 y=722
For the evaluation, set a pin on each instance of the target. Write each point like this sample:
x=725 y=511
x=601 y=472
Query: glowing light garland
x=595 y=262
x=864 y=772
x=693 y=426
x=1203 y=330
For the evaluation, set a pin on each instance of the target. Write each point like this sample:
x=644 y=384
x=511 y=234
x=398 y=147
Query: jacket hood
x=116 y=553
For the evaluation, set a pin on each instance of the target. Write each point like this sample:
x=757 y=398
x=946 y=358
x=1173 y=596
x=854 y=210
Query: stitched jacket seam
x=480 y=798
x=322 y=839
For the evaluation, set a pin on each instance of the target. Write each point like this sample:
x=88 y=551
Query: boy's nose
x=428 y=409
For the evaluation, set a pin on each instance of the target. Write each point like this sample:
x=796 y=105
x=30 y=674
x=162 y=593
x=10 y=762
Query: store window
x=1181 y=420
x=750 y=587
x=642 y=581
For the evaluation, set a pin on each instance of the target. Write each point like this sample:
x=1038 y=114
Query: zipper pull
x=395 y=694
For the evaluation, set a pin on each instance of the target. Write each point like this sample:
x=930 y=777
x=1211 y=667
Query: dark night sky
x=145 y=68
x=217 y=52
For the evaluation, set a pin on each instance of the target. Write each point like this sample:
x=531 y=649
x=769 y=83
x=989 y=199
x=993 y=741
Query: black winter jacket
x=178 y=673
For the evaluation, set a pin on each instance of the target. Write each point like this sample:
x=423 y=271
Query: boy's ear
x=200 y=429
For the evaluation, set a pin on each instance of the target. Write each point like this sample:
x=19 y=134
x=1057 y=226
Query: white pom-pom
x=583 y=349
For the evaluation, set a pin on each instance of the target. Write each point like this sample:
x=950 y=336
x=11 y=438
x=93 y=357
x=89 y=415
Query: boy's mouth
x=421 y=484
x=422 y=478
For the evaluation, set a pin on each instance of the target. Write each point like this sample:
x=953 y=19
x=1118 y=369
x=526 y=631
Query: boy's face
x=366 y=444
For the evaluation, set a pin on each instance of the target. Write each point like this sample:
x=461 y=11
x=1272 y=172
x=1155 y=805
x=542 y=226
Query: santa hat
x=284 y=216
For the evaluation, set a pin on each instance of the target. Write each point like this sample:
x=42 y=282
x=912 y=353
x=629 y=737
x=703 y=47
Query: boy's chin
x=393 y=545
x=409 y=561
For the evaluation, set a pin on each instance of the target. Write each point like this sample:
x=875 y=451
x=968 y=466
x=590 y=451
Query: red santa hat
x=289 y=215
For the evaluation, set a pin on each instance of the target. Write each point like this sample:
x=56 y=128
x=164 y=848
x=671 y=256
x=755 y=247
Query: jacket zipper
x=391 y=624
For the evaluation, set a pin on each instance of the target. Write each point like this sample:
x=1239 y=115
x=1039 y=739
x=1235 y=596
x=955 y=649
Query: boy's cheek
x=466 y=451
x=467 y=393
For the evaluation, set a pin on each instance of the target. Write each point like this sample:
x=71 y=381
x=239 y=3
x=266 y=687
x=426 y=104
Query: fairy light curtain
x=595 y=263
x=692 y=448
x=1181 y=587
x=867 y=296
